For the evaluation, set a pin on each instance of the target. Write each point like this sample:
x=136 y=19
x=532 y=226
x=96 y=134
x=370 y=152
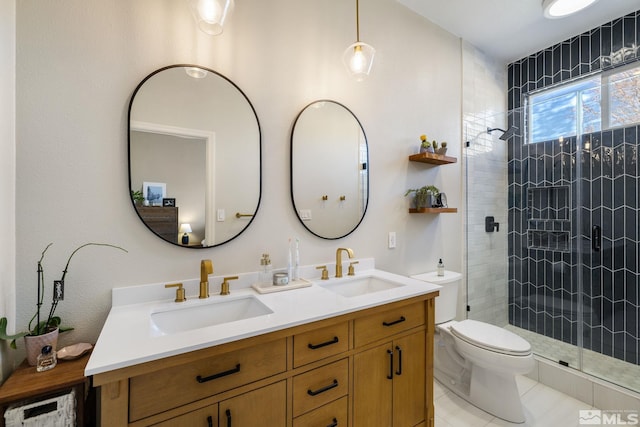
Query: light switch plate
x=392 y=239
x=305 y=214
x=221 y=215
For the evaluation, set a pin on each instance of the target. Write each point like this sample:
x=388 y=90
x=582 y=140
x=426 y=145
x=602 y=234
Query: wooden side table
x=25 y=385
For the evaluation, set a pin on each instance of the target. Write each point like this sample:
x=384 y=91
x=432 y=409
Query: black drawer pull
x=210 y=421
x=228 y=414
x=334 y=384
x=390 y=353
x=399 y=350
x=201 y=379
x=395 y=322
x=334 y=423
x=323 y=344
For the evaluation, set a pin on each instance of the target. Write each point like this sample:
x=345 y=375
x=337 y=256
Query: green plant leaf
x=6 y=337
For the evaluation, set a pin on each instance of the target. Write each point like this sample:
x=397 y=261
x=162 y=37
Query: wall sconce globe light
x=554 y=9
x=358 y=57
x=211 y=15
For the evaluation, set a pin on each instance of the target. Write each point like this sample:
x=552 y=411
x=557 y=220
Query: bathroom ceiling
x=508 y=30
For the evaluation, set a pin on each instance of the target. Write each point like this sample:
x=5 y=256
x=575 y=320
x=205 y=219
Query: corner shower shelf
x=433 y=210
x=432 y=158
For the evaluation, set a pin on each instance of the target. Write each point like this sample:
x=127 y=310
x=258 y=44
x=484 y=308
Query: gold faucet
x=352 y=270
x=206 y=268
x=179 y=291
x=224 y=287
x=339 y=260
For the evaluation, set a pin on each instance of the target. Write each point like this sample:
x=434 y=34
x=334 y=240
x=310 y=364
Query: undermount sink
x=181 y=319
x=359 y=286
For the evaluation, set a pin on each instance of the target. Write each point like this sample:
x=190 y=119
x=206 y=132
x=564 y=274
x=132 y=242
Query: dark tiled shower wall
x=551 y=185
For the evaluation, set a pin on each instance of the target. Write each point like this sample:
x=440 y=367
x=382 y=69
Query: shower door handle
x=596 y=238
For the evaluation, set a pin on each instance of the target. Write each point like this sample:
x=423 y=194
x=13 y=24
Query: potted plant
x=138 y=197
x=425 y=146
x=423 y=196
x=44 y=331
x=442 y=150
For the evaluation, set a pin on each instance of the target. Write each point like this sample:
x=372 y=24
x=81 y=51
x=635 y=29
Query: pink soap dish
x=73 y=351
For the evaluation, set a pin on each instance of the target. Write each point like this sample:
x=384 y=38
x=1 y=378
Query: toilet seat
x=490 y=337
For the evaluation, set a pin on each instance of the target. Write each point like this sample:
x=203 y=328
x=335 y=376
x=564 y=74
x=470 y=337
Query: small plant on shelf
x=425 y=145
x=443 y=148
x=423 y=196
x=138 y=197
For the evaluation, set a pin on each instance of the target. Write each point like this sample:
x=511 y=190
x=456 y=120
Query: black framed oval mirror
x=329 y=169
x=195 y=172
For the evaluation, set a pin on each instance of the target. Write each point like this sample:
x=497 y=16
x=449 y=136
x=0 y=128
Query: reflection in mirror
x=329 y=169
x=195 y=138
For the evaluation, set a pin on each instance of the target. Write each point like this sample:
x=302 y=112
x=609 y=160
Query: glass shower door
x=562 y=268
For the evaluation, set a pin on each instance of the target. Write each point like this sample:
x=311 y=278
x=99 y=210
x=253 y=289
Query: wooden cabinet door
x=266 y=406
x=372 y=389
x=409 y=380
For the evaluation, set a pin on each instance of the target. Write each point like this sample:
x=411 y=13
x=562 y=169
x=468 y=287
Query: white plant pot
x=34 y=344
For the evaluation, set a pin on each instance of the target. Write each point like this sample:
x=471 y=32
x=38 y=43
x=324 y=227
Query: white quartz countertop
x=128 y=336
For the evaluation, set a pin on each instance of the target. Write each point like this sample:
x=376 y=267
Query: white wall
x=7 y=172
x=79 y=61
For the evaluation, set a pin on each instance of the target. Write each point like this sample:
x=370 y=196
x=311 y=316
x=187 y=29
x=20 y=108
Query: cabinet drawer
x=379 y=326
x=172 y=387
x=318 y=344
x=320 y=386
x=334 y=413
x=205 y=417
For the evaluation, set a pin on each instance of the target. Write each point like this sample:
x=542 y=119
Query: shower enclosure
x=553 y=227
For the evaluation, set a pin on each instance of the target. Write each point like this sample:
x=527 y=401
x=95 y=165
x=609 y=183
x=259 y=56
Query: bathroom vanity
x=319 y=356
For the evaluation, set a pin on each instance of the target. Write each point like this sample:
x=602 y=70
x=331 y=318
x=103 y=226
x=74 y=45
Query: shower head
x=506 y=134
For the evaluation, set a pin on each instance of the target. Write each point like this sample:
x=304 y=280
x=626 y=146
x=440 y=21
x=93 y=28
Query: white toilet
x=476 y=360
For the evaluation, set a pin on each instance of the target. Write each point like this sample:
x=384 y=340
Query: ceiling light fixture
x=358 y=57
x=554 y=9
x=195 y=72
x=211 y=15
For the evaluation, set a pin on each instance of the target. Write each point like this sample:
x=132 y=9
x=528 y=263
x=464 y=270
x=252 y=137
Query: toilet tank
x=447 y=301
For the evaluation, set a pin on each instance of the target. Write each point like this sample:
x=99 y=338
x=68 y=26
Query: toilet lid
x=491 y=337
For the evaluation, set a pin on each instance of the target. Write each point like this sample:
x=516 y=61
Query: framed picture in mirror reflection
x=154 y=192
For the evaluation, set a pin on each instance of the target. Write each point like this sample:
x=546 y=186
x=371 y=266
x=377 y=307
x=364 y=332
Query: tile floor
x=543 y=407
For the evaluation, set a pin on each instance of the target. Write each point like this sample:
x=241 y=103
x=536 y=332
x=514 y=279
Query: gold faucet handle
x=179 y=292
x=224 y=288
x=352 y=271
x=325 y=272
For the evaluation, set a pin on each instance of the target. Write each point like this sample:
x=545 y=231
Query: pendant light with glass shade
x=211 y=15
x=358 y=57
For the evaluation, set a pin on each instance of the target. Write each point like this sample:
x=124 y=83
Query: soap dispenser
x=265 y=269
x=440 y=268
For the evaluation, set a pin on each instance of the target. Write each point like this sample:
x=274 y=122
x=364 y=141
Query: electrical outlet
x=392 y=239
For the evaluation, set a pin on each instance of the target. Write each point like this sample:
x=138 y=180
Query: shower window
x=624 y=97
x=610 y=99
